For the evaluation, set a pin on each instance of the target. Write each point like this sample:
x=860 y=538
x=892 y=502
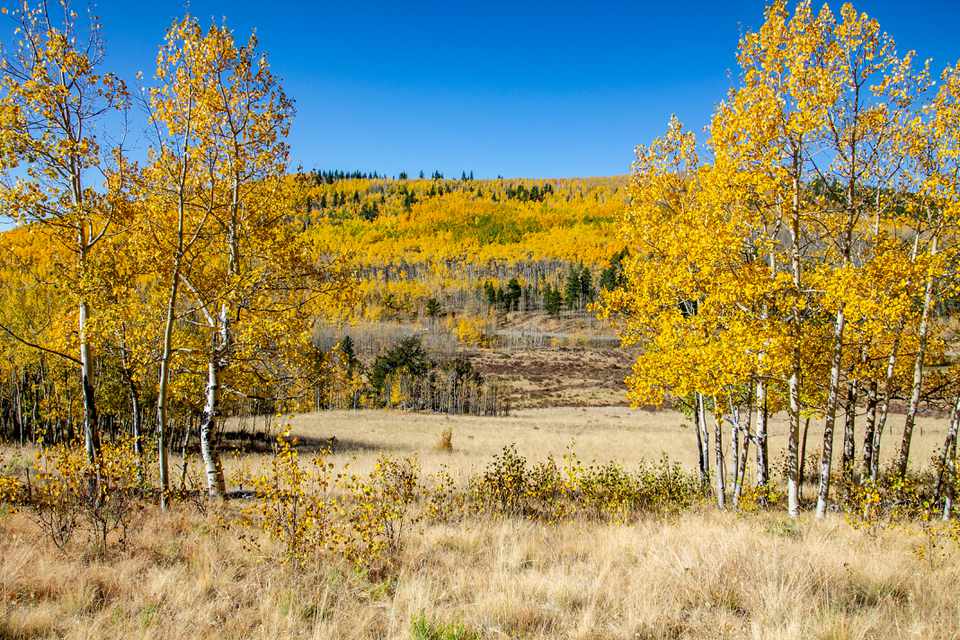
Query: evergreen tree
x=433 y=308
x=612 y=276
x=349 y=353
x=552 y=301
x=406 y=355
x=490 y=292
x=571 y=293
x=587 y=292
x=513 y=295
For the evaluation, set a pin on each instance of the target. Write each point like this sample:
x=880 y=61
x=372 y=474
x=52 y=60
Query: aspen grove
x=803 y=259
x=185 y=279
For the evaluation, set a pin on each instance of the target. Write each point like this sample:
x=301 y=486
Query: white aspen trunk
x=167 y=350
x=219 y=358
x=136 y=426
x=742 y=471
x=888 y=384
x=884 y=410
x=18 y=415
x=701 y=461
x=704 y=435
x=947 y=478
x=762 y=464
x=801 y=469
x=735 y=451
x=951 y=470
x=741 y=462
x=793 y=383
x=849 y=432
x=721 y=468
x=167 y=346
x=91 y=436
x=948 y=498
x=793 y=437
x=833 y=391
x=869 y=427
x=735 y=433
x=162 y=390
x=904 y=458
x=213 y=470
x=183 y=454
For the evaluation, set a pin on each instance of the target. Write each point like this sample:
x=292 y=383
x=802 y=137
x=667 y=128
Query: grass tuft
x=423 y=629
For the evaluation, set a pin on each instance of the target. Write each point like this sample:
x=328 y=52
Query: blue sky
x=518 y=89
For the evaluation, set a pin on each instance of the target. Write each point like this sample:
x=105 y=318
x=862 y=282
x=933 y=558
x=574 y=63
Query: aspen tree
x=253 y=282
x=938 y=201
x=180 y=192
x=762 y=136
x=686 y=292
x=55 y=102
x=874 y=101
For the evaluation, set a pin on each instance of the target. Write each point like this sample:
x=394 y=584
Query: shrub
x=548 y=492
x=70 y=493
x=872 y=505
x=444 y=500
x=754 y=498
x=13 y=492
x=502 y=486
x=365 y=520
x=291 y=505
x=610 y=492
x=366 y=524
x=378 y=511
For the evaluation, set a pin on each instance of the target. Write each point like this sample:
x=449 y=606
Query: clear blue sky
x=518 y=89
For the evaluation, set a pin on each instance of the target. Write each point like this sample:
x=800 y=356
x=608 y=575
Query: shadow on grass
x=260 y=442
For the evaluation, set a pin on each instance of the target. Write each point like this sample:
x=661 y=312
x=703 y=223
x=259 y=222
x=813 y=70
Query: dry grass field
x=700 y=574
x=607 y=433
x=703 y=575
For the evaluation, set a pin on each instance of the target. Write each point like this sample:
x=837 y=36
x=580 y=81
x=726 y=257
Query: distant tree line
x=405 y=376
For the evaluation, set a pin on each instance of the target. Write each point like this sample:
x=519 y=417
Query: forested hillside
x=413 y=240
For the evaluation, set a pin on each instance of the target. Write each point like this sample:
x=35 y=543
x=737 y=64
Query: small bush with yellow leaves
x=70 y=493
x=378 y=510
x=314 y=514
x=550 y=492
x=890 y=499
x=291 y=503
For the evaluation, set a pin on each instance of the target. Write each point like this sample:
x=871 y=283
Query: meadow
x=693 y=574
x=596 y=433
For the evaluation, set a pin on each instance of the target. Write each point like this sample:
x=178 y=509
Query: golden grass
x=703 y=574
